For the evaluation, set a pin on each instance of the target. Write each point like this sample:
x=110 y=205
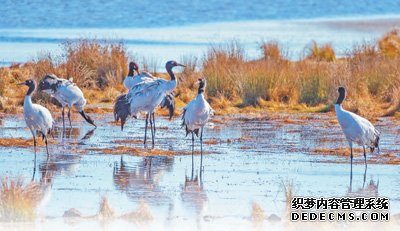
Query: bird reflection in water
x=58 y=162
x=142 y=181
x=370 y=190
x=193 y=194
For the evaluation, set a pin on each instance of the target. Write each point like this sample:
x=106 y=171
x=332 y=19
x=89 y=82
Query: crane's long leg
x=192 y=145
x=192 y=173
x=365 y=175
x=151 y=129
x=145 y=128
x=63 y=116
x=69 y=116
x=365 y=157
x=47 y=148
x=365 y=170
x=34 y=149
x=351 y=166
x=201 y=149
x=154 y=124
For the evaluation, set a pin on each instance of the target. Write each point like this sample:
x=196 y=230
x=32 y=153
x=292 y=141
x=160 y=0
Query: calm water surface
x=249 y=161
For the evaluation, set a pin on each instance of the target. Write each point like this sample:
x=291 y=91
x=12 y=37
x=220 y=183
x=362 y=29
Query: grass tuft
x=321 y=53
x=105 y=210
x=389 y=44
x=19 y=201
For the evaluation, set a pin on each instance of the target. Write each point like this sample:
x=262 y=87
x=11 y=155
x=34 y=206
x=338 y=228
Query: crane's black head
x=202 y=85
x=31 y=84
x=49 y=82
x=342 y=95
x=170 y=64
x=132 y=68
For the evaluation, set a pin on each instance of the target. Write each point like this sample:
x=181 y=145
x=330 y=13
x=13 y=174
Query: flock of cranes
x=146 y=92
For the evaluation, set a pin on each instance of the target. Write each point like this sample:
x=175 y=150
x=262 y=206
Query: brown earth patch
x=21 y=142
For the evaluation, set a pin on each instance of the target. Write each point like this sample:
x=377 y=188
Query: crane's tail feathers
x=122 y=109
x=87 y=118
x=183 y=118
x=375 y=144
x=196 y=131
x=169 y=102
x=187 y=132
x=50 y=132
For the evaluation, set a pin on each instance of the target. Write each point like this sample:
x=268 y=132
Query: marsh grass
x=370 y=71
x=141 y=215
x=257 y=215
x=105 y=210
x=288 y=190
x=19 y=201
x=323 y=52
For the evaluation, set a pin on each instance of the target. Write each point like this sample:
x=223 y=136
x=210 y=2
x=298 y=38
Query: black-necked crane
x=131 y=80
x=67 y=94
x=196 y=115
x=122 y=111
x=145 y=96
x=356 y=128
x=37 y=118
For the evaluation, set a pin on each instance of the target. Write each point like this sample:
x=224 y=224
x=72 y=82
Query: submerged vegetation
x=370 y=71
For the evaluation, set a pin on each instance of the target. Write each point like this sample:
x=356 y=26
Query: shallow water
x=250 y=162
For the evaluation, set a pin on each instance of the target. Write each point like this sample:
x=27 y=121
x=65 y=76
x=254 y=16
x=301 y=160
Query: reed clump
x=19 y=201
x=389 y=44
x=323 y=52
x=367 y=71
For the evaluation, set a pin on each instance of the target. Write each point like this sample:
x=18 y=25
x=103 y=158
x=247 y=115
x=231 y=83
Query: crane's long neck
x=339 y=101
x=27 y=99
x=131 y=72
x=171 y=74
x=340 y=98
x=201 y=89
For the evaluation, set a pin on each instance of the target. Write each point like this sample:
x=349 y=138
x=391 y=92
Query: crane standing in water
x=37 y=118
x=67 y=94
x=356 y=128
x=145 y=96
x=121 y=108
x=196 y=114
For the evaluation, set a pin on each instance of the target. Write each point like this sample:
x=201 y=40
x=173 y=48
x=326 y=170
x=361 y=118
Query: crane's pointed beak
x=23 y=83
x=181 y=65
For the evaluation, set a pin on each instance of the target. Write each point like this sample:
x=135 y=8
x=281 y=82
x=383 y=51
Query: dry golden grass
x=19 y=201
x=389 y=45
x=382 y=158
x=288 y=189
x=105 y=210
x=370 y=72
x=321 y=53
x=134 y=151
x=338 y=151
x=271 y=51
x=257 y=214
x=21 y=142
x=210 y=142
x=141 y=215
x=140 y=151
